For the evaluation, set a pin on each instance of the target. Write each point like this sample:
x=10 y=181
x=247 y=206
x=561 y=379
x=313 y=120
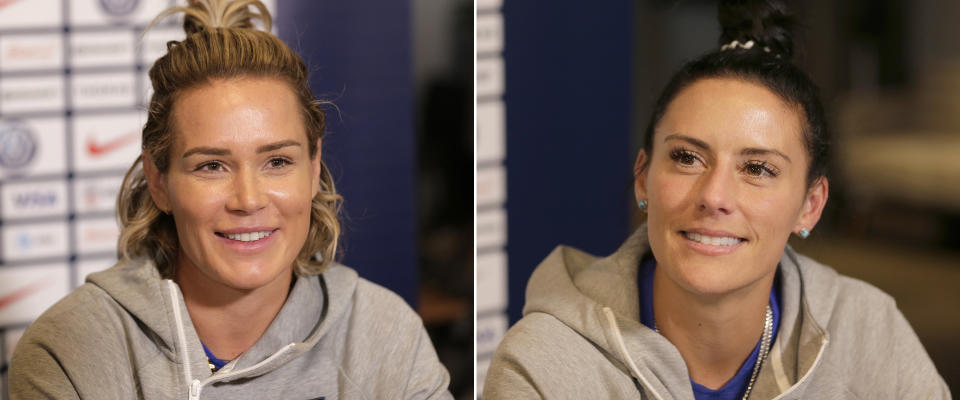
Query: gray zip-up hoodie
x=126 y=334
x=581 y=338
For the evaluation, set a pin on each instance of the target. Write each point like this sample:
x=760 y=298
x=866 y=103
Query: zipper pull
x=195 y=390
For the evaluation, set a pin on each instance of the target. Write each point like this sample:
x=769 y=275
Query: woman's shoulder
x=843 y=305
x=368 y=302
x=823 y=282
x=86 y=306
x=540 y=333
x=866 y=327
x=91 y=312
x=377 y=301
x=540 y=356
x=378 y=328
x=81 y=336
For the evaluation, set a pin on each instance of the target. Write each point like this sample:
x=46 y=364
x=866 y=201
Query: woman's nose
x=717 y=192
x=248 y=196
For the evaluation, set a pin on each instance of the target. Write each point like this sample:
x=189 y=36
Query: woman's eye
x=211 y=166
x=279 y=162
x=759 y=169
x=683 y=157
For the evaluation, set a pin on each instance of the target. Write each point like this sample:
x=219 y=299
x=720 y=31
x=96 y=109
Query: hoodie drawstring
x=193 y=388
x=622 y=347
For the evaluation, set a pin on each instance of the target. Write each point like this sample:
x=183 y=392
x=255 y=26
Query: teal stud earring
x=804 y=233
x=642 y=205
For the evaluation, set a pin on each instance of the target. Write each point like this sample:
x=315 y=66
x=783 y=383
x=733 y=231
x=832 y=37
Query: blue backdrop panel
x=360 y=57
x=569 y=159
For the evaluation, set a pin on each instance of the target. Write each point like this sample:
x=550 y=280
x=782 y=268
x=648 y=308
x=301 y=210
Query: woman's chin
x=249 y=277
x=711 y=280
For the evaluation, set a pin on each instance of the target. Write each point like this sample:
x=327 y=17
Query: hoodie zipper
x=250 y=368
x=196 y=385
x=622 y=347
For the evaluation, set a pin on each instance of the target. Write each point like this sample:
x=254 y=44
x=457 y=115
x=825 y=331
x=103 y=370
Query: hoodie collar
x=139 y=289
x=297 y=319
x=313 y=307
x=576 y=288
x=807 y=298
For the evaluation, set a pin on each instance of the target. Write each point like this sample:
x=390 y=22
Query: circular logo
x=119 y=8
x=17 y=144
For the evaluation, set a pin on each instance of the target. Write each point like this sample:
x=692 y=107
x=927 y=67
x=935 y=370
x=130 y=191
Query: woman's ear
x=640 y=176
x=156 y=183
x=813 y=204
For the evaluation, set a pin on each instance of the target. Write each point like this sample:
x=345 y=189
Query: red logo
x=17 y=295
x=4 y=3
x=96 y=148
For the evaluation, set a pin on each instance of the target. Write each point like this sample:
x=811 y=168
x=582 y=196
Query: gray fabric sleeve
x=507 y=376
x=36 y=374
x=917 y=375
x=428 y=378
x=506 y=379
x=389 y=354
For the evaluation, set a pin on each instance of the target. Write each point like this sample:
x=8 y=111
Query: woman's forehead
x=237 y=113
x=732 y=113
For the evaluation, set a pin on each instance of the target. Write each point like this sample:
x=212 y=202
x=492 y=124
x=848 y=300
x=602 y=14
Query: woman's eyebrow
x=754 y=151
x=206 y=150
x=213 y=151
x=694 y=141
x=278 y=145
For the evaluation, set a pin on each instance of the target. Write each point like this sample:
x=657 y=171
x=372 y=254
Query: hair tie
x=746 y=46
x=734 y=44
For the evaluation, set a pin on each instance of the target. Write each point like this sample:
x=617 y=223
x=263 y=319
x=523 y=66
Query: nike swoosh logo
x=4 y=3
x=8 y=299
x=98 y=149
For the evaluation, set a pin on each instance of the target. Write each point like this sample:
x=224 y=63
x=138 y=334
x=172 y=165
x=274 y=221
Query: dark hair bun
x=767 y=22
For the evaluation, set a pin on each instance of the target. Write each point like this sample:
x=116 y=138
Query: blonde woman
x=226 y=285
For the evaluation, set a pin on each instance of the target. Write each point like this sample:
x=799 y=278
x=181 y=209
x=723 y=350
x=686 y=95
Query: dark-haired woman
x=227 y=285
x=706 y=300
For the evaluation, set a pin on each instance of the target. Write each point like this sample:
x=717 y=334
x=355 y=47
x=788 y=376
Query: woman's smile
x=712 y=243
x=248 y=241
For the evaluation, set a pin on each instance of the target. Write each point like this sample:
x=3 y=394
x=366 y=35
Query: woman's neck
x=229 y=321
x=714 y=334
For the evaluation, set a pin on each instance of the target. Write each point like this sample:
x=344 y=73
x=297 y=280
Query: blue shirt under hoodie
x=735 y=387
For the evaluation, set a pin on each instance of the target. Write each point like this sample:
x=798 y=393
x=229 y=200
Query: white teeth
x=247 y=237
x=715 y=241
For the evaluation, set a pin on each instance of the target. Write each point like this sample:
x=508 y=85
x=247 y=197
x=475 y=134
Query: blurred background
x=579 y=85
x=73 y=89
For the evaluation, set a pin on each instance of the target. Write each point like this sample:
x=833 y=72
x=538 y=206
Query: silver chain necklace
x=765 y=340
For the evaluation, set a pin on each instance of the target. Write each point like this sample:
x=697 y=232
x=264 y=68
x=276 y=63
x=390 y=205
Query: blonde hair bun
x=230 y=14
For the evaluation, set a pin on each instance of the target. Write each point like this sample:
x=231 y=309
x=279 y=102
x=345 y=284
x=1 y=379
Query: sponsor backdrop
x=491 y=185
x=73 y=86
x=561 y=88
